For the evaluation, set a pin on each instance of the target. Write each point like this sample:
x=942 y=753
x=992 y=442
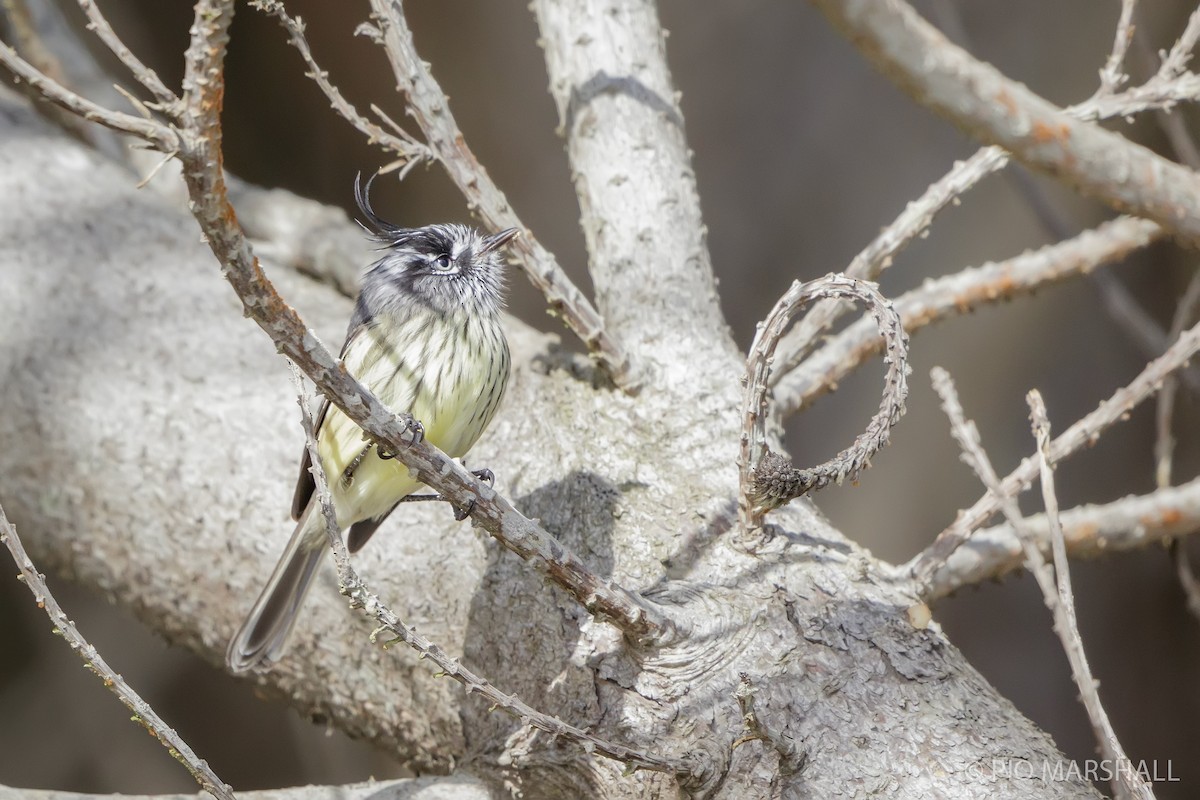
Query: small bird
x=425 y=337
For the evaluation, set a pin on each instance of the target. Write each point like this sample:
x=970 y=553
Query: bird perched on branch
x=425 y=337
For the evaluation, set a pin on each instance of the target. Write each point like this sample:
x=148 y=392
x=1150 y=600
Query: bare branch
x=203 y=84
x=768 y=480
x=958 y=294
x=1126 y=782
x=1111 y=76
x=458 y=785
x=145 y=76
x=1162 y=91
x=142 y=711
x=160 y=136
x=1164 y=445
x=989 y=106
x=1181 y=53
x=1090 y=531
x=631 y=166
x=401 y=143
x=427 y=104
x=791 y=760
x=1058 y=598
x=361 y=596
x=1082 y=433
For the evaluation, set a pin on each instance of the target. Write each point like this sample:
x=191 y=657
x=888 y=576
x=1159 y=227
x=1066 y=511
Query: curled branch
x=769 y=480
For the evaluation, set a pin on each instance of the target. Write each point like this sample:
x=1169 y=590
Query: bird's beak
x=498 y=240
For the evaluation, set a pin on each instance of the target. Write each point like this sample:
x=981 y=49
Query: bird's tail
x=264 y=633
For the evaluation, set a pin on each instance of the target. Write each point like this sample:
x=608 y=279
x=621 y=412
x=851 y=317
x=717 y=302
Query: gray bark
x=150 y=442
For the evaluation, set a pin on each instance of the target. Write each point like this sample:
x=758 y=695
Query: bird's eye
x=442 y=262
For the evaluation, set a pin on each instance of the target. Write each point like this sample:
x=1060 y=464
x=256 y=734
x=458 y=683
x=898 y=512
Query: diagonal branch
x=427 y=104
x=362 y=597
x=401 y=143
x=201 y=158
x=1161 y=92
x=960 y=293
x=1084 y=432
x=992 y=108
x=142 y=712
x=1090 y=531
x=160 y=136
x=144 y=75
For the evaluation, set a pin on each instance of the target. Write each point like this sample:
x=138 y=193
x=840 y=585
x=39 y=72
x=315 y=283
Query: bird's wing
x=305 y=484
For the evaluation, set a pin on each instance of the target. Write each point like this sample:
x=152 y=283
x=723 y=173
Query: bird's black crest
x=380 y=229
x=432 y=239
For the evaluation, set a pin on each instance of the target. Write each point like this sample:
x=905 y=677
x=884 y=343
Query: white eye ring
x=442 y=263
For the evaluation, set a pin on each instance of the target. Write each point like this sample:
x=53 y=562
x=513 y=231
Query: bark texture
x=150 y=442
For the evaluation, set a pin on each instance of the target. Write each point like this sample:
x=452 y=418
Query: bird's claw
x=416 y=432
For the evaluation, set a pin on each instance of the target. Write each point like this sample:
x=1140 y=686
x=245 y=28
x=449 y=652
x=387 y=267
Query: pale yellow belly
x=454 y=399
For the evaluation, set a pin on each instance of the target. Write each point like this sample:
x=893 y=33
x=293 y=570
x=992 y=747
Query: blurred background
x=802 y=154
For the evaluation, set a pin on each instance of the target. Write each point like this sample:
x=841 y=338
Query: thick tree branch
x=389 y=622
x=427 y=104
x=989 y=106
x=640 y=209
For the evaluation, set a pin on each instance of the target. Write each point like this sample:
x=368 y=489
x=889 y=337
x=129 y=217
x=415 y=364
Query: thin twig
x=768 y=480
x=1084 y=432
x=1126 y=782
x=142 y=711
x=201 y=158
x=1090 y=531
x=958 y=294
x=1164 y=446
x=1055 y=593
x=147 y=77
x=160 y=136
x=427 y=104
x=1164 y=442
x=361 y=597
x=791 y=760
x=402 y=143
x=1181 y=53
x=1112 y=76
